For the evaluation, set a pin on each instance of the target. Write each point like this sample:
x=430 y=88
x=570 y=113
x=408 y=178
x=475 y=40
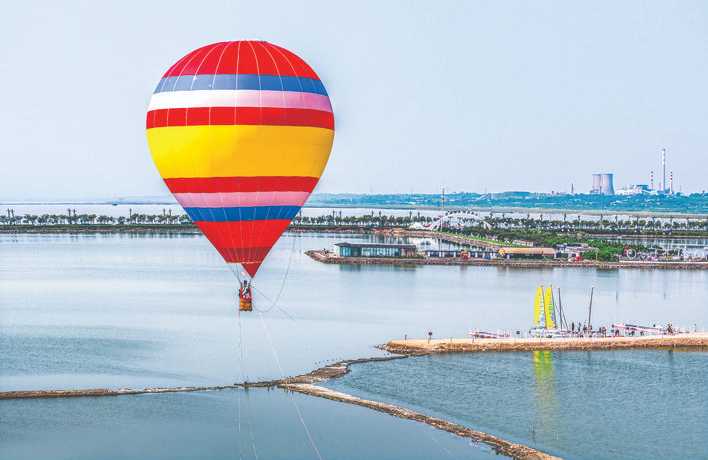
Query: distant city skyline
x=473 y=96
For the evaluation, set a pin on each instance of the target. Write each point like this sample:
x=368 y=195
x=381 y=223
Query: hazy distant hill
x=696 y=203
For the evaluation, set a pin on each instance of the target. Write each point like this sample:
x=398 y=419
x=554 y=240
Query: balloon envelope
x=241 y=132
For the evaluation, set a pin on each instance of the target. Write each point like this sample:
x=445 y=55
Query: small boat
x=634 y=329
x=542 y=332
x=475 y=334
x=545 y=323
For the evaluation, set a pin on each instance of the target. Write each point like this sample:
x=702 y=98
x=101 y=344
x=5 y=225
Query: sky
x=470 y=95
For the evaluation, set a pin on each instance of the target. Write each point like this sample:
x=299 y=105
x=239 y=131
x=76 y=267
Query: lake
x=595 y=405
x=82 y=311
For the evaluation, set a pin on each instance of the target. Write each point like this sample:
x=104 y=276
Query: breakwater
x=500 y=446
x=318 y=375
x=418 y=346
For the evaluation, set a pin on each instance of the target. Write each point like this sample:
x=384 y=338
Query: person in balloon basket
x=245 y=297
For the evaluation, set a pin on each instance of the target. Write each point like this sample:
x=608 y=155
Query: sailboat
x=545 y=323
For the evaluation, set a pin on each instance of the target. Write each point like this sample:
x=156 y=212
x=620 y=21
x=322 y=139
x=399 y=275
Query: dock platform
x=695 y=340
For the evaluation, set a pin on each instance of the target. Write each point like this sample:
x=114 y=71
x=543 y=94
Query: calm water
x=216 y=425
x=120 y=310
x=583 y=405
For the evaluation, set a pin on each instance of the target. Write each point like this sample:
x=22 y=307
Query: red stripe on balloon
x=243 y=255
x=244 y=234
x=247 y=243
x=269 y=116
x=244 y=57
x=241 y=184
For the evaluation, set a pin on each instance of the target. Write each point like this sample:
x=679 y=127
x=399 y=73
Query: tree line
x=549 y=223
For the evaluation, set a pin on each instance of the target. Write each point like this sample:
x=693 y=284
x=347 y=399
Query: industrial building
x=376 y=250
x=634 y=189
x=665 y=184
x=468 y=253
x=603 y=184
x=529 y=253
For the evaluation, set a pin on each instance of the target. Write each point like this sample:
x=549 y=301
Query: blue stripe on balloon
x=242 y=81
x=242 y=213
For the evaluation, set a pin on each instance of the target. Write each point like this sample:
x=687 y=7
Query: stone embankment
x=418 y=346
x=321 y=374
x=500 y=446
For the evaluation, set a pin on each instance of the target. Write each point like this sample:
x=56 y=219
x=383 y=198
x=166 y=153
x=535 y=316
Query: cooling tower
x=596 y=183
x=603 y=184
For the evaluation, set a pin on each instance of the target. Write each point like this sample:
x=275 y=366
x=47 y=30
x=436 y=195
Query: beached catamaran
x=547 y=322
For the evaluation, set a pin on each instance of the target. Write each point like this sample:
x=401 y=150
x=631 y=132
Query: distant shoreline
x=187 y=229
x=191 y=229
x=412 y=207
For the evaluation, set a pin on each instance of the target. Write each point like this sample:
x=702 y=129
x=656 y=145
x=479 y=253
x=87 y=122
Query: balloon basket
x=245 y=304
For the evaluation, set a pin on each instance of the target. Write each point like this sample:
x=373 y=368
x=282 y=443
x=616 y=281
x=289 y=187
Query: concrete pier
x=416 y=346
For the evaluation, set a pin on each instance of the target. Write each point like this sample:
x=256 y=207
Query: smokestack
x=663 y=170
x=651 y=180
x=671 y=182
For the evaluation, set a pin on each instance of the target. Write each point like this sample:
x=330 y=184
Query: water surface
x=137 y=310
x=80 y=311
x=217 y=425
x=582 y=405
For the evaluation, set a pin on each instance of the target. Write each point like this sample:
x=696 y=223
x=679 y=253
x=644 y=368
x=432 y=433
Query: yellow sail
x=550 y=310
x=537 y=306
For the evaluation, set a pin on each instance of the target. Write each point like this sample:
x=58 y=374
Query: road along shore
x=696 y=340
x=306 y=384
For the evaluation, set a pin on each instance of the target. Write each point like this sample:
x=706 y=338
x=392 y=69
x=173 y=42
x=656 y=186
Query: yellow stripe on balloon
x=239 y=150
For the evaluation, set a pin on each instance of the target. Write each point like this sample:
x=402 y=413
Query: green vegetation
x=602 y=250
x=483 y=239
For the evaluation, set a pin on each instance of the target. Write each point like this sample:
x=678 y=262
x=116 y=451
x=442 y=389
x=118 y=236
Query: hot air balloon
x=241 y=132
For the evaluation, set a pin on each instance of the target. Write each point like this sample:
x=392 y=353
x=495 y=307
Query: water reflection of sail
x=546 y=403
